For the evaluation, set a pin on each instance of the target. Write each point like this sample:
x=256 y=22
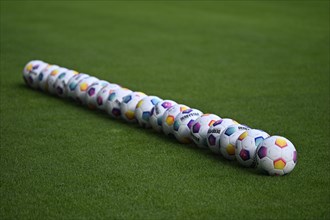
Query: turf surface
x=265 y=64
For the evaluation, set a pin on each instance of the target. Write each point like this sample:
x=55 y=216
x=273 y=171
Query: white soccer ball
x=169 y=117
x=276 y=155
x=104 y=93
x=200 y=127
x=246 y=146
x=214 y=132
x=31 y=72
x=128 y=105
x=43 y=76
x=158 y=112
x=73 y=83
x=228 y=138
x=92 y=91
x=182 y=124
x=62 y=81
x=144 y=108
x=53 y=77
x=114 y=100
x=81 y=89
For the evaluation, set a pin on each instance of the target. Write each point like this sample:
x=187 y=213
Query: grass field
x=265 y=64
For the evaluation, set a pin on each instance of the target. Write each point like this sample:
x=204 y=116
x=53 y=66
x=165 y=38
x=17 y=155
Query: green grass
x=265 y=64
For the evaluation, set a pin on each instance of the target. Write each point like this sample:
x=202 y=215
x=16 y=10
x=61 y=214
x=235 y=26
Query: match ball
x=62 y=81
x=200 y=128
x=214 y=132
x=92 y=91
x=144 y=108
x=276 y=155
x=43 y=76
x=169 y=117
x=182 y=124
x=104 y=93
x=228 y=138
x=73 y=83
x=128 y=106
x=158 y=112
x=114 y=100
x=81 y=89
x=31 y=72
x=53 y=77
x=246 y=146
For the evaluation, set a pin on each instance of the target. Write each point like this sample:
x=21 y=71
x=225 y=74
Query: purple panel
x=262 y=152
x=91 y=91
x=211 y=140
x=245 y=155
x=217 y=122
x=196 y=127
x=295 y=156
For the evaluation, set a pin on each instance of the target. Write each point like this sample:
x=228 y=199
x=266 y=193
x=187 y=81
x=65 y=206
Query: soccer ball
x=114 y=100
x=53 y=77
x=276 y=155
x=214 y=132
x=246 y=146
x=104 y=93
x=31 y=72
x=92 y=91
x=81 y=89
x=182 y=124
x=200 y=128
x=73 y=83
x=157 y=113
x=29 y=67
x=43 y=76
x=62 y=81
x=144 y=108
x=128 y=105
x=228 y=138
x=169 y=117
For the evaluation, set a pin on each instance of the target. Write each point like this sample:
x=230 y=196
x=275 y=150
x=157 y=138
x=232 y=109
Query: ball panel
x=244 y=155
x=176 y=125
x=196 y=127
x=116 y=112
x=212 y=140
x=130 y=115
x=279 y=164
x=190 y=123
x=295 y=156
x=289 y=167
x=230 y=131
x=127 y=98
x=258 y=140
x=170 y=120
x=159 y=121
x=286 y=153
x=243 y=136
x=230 y=149
x=281 y=142
x=266 y=164
x=139 y=104
x=146 y=116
